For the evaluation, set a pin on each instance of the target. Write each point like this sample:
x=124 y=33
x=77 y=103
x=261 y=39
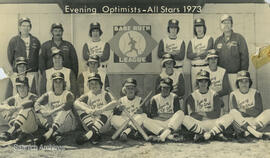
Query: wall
x=249 y=20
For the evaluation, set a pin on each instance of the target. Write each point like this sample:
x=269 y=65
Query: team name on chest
x=245 y=104
x=204 y=105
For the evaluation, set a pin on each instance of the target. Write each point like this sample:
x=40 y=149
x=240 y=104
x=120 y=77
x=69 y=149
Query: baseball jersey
x=83 y=81
x=100 y=48
x=233 y=54
x=70 y=56
x=249 y=104
x=216 y=78
x=197 y=46
x=167 y=45
x=11 y=88
x=16 y=101
x=204 y=106
x=131 y=105
x=96 y=102
x=18 y=48
x=164 y=107
x=178 y=82
x=70 y=79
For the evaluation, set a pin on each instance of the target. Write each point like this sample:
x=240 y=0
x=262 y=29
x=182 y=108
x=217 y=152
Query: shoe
x=154 y=139
x=176 y=138
x=57 y=138
x=198 y=138
x=81 y=139
x=40 y=140
x=22 y=138
x=123 y=137
x=221 y=137
x=266 y=136
x=5 y=136
x=254 y=132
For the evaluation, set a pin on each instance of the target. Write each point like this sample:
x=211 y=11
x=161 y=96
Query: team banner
x=132 y=43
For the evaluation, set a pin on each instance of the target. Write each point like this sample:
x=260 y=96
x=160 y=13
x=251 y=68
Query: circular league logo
x=132 y=44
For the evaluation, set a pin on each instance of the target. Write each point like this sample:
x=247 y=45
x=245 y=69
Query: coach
x=69 y=52
x=232 y=50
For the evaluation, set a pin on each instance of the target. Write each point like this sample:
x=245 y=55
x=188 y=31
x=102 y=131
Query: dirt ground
x=134 y=149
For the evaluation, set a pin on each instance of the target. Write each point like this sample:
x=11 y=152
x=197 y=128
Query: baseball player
x=70 y=78
x=25 y=45
x=21 y=114
x=21 y=72
x=232 y=50
x=168 y=64
x=95 y=110
x=69 y=52
x=173 y=44
x=54 y=110
x=132 y=103
x=165 y=116
x=93 y=64
x=219 y=78
x=204 y=107
x=96 y=46
x=197 y=49
x=246 y=106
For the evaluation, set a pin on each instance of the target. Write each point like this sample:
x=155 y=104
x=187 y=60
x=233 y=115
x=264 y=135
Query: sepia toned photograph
x=85 y=78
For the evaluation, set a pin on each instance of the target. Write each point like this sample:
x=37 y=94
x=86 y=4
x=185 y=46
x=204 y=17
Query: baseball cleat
x=39 y=141
x=221 y=137
x=173 y=138
x=80 y=140
x=207 y=135
x=5 y=136
x=198 y=138
x=154 y=139
x=254 y=132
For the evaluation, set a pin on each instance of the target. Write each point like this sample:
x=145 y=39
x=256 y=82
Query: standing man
x=173 y=45
x=69 y=52
x=25 y=45
x=232 y=50
x=96 y=46
x=197 y=49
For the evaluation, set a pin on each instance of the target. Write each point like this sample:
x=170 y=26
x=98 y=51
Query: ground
x=133 y=149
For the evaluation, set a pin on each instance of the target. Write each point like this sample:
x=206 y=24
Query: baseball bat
x=125 y=124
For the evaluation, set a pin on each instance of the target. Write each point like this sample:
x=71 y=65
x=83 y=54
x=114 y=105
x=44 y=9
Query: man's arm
x=81 y=104
x=190 y=54
x=85 y=52
x=226 y=88
x=258 y=108
x=74 y=60
x=244 y=55
x=43 y=83
x=80 y=83
x=179 y=88
x=106 y=53
x=180 y=55
x=157 y=87
x=11 y=52
x=218 y=103
x=42 y=58
x=41 y=101
x=161 y=49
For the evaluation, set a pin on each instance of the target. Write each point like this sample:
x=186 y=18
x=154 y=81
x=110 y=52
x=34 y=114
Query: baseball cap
x=23 y=19
x=211 y=54
x=199 y=22
x=20 y=60
x=201 y=75
x=94 y=76
x=166 y=82
x=58 y=75
x=56 y=51
x=173 y=23
x=95 y=25
x=21 y=82
x=225 y=17
x=130 y=82
x=167 y=57
x=57 y=25
x=243 y=75
x=93 y=58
